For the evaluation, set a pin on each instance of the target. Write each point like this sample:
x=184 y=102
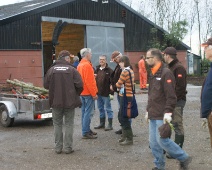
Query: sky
x=3 y=2
x=186 y=40
x=135 y=6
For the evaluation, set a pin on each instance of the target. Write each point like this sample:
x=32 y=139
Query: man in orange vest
x=142 y=73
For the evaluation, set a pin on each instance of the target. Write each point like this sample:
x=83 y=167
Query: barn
x=33 y=31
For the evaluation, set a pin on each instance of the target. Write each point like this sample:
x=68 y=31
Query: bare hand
x=111 y=88
x=95 y=97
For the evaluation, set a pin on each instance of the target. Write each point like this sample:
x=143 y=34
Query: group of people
x=70 y=88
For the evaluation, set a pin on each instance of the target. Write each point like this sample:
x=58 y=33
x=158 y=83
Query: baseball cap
x=207 y=43
x=114 y=55
x=170 y=50
x=63 y=53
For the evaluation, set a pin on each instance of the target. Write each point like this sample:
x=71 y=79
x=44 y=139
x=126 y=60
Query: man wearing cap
x=115 y=57
x=170 y=57
x=206 y=99
x=65 y=85
x=89 y=93
x=160 y=106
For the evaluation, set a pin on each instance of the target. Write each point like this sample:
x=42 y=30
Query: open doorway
x=71 y=38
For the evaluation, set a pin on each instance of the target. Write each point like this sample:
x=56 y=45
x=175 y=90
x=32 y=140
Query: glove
x=146 y=117
x=167 y=117
x=111 y=96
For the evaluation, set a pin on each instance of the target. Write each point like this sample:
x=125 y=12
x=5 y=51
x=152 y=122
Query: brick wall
x=135 y=57
x=22 y=65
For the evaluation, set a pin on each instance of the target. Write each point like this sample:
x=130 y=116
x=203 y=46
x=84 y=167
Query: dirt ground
x=29 y=145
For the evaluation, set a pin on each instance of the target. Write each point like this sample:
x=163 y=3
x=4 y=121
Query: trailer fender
x=11 y=108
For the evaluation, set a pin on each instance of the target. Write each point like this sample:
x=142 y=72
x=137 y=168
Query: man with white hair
x=89 y=93
x=206 y=100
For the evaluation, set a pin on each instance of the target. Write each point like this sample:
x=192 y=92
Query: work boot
x=184 y=165
x=109 y=127
x=123 y=136
x=119 y=132
x=129 y=137
x=101 y=125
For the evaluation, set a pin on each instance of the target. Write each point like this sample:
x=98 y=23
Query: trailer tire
x=6 y=121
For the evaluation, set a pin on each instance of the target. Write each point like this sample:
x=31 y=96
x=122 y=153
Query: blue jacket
x=206 y=95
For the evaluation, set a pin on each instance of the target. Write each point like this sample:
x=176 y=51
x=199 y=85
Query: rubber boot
x=129 y=138
x=179 y=139
x=109 y=127
x=101 y=125
x=123 y=136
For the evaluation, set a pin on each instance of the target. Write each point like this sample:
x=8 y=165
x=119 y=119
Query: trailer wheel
x=6 y=121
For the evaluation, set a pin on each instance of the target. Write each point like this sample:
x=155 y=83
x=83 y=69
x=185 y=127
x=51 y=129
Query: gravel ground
x=30 y=144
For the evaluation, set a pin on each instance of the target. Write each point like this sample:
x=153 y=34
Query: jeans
x=159 y=144
x=104 y=105
x=68 y=114
x=87 y=109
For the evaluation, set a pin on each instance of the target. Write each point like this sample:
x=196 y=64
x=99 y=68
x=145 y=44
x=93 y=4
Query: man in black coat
x=180 y=74
x=65 y=85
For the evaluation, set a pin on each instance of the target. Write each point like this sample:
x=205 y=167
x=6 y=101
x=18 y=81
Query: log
x=28 y=86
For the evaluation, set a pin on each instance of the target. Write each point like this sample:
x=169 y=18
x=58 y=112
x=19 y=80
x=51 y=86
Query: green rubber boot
x=101 y=125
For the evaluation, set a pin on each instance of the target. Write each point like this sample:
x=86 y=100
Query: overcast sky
x=7 y=2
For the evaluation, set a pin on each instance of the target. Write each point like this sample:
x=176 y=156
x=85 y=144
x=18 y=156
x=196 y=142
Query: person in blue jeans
x=89 y=93
x=161 y=103
x=103 y=73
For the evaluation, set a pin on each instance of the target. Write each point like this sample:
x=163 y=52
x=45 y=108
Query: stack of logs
x=24 y=90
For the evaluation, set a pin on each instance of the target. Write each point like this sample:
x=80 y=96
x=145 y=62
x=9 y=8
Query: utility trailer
x=11 y=105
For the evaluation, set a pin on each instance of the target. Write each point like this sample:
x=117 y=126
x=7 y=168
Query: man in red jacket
x=89 y=93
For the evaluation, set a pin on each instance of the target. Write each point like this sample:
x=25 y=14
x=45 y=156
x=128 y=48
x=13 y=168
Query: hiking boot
x=126 y=142
x=92 y=132
x=119 y=132
x=89 y=136
x=184 y=165
x=155 y=168
x=58 y=151
x=69 y=151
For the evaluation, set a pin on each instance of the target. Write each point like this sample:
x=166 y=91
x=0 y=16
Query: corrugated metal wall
x=26 y=33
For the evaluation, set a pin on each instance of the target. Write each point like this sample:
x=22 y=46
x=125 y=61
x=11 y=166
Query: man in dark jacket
x=170 y=57
x=206 y=99
x=161 y=103
x=115 y=57
x=103 y=73
x=65 y=85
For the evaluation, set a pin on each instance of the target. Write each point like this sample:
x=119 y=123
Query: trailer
x=11 y=105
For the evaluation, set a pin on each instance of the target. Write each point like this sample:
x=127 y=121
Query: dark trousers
x=125 y=122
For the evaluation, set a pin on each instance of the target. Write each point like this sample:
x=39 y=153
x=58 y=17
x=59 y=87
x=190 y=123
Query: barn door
x=104 y=40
